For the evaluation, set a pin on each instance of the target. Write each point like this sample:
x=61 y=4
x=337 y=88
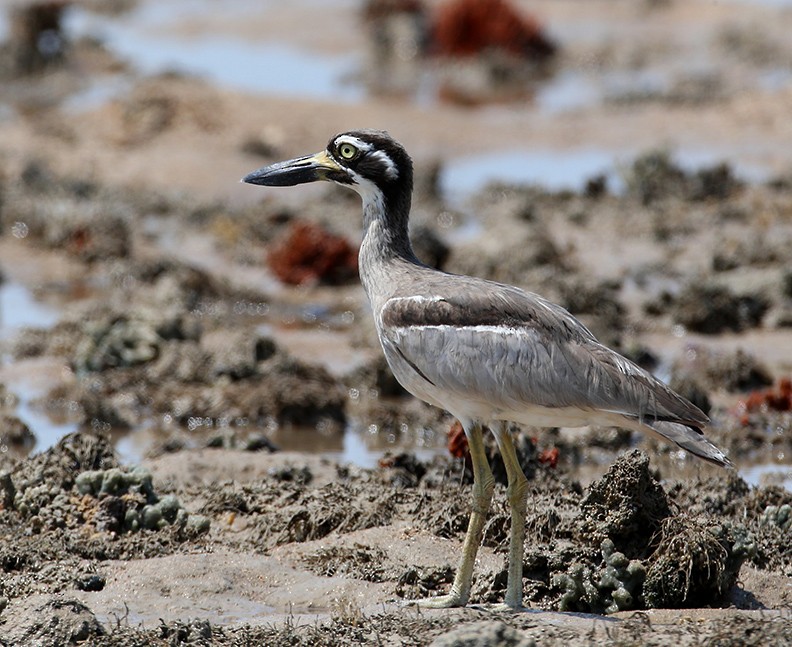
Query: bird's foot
x=440 y=602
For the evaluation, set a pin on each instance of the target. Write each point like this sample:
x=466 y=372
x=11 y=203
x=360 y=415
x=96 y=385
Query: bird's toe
x=440 y=602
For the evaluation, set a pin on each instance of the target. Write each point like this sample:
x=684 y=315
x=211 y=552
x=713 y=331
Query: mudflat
x=197 y=451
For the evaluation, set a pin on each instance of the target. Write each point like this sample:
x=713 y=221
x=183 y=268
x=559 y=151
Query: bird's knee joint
x=517 y=491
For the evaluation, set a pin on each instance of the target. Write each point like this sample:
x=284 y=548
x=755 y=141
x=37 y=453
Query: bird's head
x=369 y=161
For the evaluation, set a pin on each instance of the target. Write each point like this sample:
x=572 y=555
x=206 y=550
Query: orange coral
x=457 y=441
x=775 y=399
x=468 y=27
x=549 y=457
x=309 y=254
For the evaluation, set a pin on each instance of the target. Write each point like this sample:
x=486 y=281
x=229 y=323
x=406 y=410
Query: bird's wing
x=511 y=349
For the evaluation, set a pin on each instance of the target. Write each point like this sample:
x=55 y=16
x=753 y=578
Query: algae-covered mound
x=78 y=482
x=43 y=481
x=651 y=556
x=696 y=563
x=127 y=501
x=627 y=505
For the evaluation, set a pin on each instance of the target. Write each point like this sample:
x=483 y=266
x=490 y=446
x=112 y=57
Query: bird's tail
x=688 y=438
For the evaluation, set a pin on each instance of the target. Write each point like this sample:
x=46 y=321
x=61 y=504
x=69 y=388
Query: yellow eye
x=347 y=151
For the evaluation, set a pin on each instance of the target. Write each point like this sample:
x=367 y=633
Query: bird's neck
x=386 y=239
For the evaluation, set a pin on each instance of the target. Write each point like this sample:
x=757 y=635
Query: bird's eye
x=347 y=151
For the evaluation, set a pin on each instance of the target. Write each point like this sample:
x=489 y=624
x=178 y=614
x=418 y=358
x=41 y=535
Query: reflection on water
x=233 y=610
x=47 y=430
x=365 y=449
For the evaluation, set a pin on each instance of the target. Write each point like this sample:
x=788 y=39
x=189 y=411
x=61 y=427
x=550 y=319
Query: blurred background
x=629 y=159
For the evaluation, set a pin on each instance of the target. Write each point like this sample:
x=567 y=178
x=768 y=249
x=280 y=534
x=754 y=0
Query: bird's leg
x=517 y=493
x=483 y=486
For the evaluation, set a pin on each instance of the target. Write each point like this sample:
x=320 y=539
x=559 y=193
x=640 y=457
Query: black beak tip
x=252 y=178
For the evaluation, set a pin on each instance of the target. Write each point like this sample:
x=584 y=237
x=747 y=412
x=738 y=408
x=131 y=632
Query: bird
x=486 y=352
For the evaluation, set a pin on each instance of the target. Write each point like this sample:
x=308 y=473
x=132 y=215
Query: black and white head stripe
x=376 y=166
x=371 y=161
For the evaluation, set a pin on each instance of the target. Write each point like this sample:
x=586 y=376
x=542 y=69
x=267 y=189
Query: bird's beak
x=297 y=171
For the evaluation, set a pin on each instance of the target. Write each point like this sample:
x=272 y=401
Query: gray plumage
x=497 y=352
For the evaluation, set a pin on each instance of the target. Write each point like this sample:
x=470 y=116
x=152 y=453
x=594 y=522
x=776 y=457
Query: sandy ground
x=175 y=345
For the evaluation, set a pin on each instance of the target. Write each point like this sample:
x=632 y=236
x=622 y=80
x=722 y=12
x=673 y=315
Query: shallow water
x=559 y=170
x=19 y=308
x=47 y=431
x=31 y=380
x=768 y=474
x=554 y=170
x=144 y=38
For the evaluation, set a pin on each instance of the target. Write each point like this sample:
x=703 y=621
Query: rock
x=92 y=582
x=15 y=433
x=404 y=468
x=713 y=370
x=429 y=247
x=483 y=634
x=116 y=342
x=56 y=469
x=690 y=389
x=653 y=176
x=713 y=309
x=51 y=620
x=374 y=375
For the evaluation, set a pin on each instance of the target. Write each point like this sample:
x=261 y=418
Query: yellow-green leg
x=517 y=493
x=483 y=486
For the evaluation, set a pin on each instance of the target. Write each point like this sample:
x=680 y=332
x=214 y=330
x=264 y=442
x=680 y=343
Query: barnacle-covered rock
x=45 y=476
